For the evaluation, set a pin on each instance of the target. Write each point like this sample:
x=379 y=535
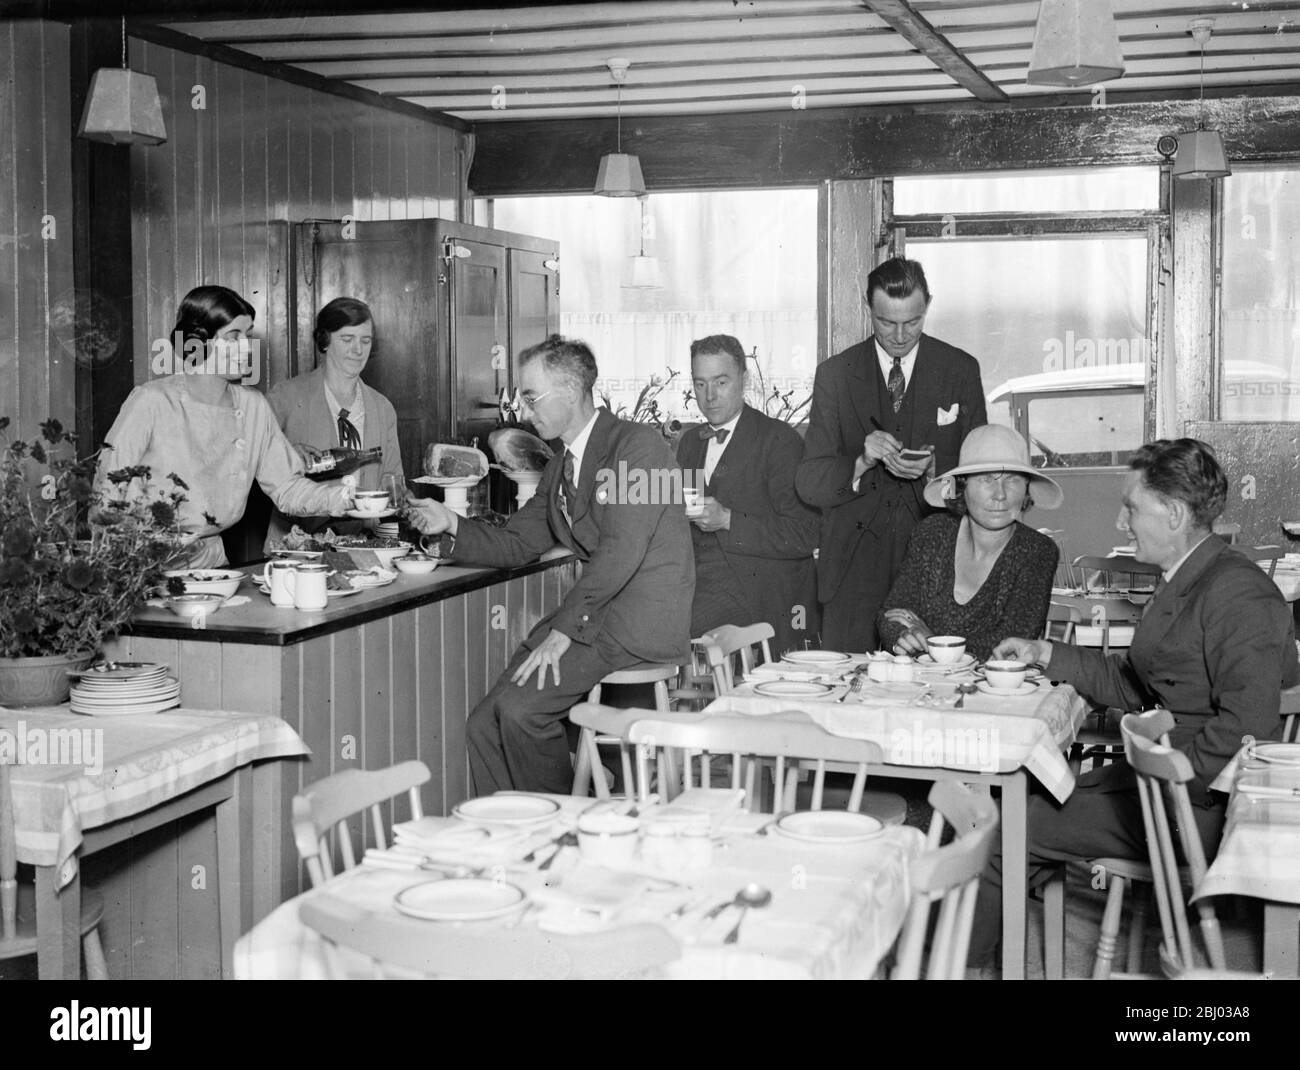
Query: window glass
x=1261 y=296
x=742 y=263
x=1094 y=189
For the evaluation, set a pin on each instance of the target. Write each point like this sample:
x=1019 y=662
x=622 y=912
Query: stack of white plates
x=389 y=529
x=125 y=689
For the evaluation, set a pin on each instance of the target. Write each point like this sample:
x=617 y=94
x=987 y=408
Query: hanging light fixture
x=123 y=107
x=642 y=271
x=1200 y=151
x=1075 y=43
x=620 y=173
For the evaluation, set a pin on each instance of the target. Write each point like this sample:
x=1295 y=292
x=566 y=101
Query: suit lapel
x=864 y=387
x=594 y=458
x=690 y=453
x=1166 y=607
x=740 y=439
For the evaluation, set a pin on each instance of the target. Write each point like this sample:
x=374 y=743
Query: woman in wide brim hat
x=976 y=570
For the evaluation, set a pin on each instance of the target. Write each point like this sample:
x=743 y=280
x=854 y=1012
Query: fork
x=855 y=685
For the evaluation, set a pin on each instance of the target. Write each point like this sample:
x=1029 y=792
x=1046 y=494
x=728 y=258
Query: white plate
x=964 y=662
x=792 y=689
x=361 y=514
x=124 y=670
x=513 y=809
x=157 y=695
x=470 y=899
x=820 y=658
x=1275 y=753
x=1027 y=688
x=382 y=578
x=124 y=711
x=829 y=826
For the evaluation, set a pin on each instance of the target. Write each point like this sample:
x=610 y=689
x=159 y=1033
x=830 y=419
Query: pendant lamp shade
x=123 y=108
x=619 y=175
x=1075 y=43
x=1201 y=155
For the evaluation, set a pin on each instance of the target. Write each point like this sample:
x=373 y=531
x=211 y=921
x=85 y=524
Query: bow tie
x=720 y=433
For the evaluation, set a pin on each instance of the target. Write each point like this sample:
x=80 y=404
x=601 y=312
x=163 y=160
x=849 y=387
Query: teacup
x=608 y=839
x=370 y=501
x=1005 y=675
x=946 y=649
x=692 y=497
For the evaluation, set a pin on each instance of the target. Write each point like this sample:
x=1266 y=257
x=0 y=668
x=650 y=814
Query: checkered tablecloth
x=1259 y=854
x=71 y=773
x=836 y=909
x=990 y=734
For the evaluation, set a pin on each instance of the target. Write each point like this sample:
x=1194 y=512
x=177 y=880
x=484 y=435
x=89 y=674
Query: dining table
x=835 y=909
x=81 y=784
x=928 y=729
x=1259 y=854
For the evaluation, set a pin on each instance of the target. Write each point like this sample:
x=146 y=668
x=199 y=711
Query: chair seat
x=648 y=673
x=23 y=942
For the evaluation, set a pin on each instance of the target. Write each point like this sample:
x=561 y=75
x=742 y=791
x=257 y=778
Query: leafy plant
x=647 y=409
x=76 y=562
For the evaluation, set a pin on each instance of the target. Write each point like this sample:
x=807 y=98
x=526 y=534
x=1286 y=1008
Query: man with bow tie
x=753 y=537
x=900 y=390
x=638 y=574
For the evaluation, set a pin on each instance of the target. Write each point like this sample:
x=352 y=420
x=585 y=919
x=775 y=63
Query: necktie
x=348 y=437
x=896 y=383
x=568 y=489
x=720 y=433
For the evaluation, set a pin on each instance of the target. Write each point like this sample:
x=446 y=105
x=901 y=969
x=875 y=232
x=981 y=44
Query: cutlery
x=569 y=839
x=751 y=896
x=542 y=846
x=855 y=686
x=962 y=691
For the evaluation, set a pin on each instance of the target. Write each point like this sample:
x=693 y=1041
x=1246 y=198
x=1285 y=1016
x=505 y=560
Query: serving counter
x=377 y=677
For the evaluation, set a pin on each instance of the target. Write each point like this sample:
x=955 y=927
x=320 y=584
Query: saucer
x=964 y=662
x=378 y=514
x=1027 y=688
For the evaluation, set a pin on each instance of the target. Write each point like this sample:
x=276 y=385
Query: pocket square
x=947 y=416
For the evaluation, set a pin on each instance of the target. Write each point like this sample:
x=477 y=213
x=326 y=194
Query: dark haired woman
x=977 y=570
x=217 y=435
x=331 y=406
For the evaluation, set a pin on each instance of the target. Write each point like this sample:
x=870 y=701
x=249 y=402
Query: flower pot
x=40 y=681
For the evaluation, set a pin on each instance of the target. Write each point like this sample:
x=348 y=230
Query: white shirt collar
x=729 y=427
x=579 y=446
x=1168 y=574
x=907 y=363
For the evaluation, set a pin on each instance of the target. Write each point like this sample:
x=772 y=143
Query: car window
x=1084 y=431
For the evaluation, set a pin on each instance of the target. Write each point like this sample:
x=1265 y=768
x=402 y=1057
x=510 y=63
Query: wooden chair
x=724 y=646
x=1260 y=554
x=950 y=876
x=1061 y=622
x=1158 y=767
x=395 y=943
x=593 y=737
x=1110 y=567
x=18 y=933
x=1290 y=710
x=329 y=803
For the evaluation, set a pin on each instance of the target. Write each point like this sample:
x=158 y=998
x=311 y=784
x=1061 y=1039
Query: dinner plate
x=1275 y=753
x=125 y=711
x=829 y=826
x=365 y=582
x=122 y=670
x=361 y=514
x=964 y=662
x=1027 y=688
x=820 y=658
x=155 y=695
x=470 y=899
x=513 y=809
x=792 y=688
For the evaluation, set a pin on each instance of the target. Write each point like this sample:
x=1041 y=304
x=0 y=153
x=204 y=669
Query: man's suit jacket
x=947 y=401
x=1216 y=643
x=299 y=405
x=769 y=546
x=638 y=574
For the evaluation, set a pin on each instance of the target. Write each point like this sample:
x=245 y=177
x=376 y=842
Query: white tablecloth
x=835 y=912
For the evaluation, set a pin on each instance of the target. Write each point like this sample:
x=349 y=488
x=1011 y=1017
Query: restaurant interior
x=262 y=773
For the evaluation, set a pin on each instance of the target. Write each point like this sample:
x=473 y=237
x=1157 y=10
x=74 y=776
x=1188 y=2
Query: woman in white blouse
x=215 y=434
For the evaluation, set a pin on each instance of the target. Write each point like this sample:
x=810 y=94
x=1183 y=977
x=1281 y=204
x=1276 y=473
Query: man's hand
x=1030 y=651
x=714 y=516
x=547 y=653
x=907 y=469
x=430 y=517
x=309 y=454
x=879 y=446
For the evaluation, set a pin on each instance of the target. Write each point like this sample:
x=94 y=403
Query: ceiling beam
x=900 y=16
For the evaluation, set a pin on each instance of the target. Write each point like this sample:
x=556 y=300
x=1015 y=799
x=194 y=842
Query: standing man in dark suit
x=753 y=537
x=638 y=573
x=1215 y=647
x=899 y=390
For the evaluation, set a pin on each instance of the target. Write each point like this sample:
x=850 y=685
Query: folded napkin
x=697 y=804
x=451 y=842
x=592 y=890
x=777 y=671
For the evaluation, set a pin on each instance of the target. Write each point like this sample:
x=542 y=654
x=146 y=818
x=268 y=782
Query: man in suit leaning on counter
x=898 y=391
x=753 y=537
x=638 y=576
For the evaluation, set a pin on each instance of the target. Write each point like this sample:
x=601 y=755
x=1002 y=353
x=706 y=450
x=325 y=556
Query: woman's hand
x=912 y=641
x=1030 y=651
x=309 y=454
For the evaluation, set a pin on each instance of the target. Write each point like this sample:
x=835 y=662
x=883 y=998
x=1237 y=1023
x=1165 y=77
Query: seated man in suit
x=638 y=572
x=1215 y=647
x=753 y=537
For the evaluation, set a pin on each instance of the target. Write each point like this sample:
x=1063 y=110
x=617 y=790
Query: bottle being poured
x=340 y=461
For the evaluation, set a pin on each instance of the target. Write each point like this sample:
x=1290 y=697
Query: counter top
x=261 y=623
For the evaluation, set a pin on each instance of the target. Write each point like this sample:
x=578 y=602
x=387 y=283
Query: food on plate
x=443 y=461
x=327 y=539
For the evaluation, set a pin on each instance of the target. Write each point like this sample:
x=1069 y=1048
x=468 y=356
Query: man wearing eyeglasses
x=753 y=537
x=886 y=413
x=632 y=602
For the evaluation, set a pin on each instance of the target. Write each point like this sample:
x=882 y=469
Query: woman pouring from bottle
x=330 y=415
x=215 y=434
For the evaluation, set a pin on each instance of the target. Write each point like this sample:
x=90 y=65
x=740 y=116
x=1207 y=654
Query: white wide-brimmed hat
x=994 y=448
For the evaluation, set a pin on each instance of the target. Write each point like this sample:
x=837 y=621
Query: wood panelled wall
x=214 y=203
x=37 y=356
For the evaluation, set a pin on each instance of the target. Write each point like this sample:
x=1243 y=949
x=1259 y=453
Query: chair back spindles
x=8 y=859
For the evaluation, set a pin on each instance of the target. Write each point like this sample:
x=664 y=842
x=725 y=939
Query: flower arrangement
x=76 y=563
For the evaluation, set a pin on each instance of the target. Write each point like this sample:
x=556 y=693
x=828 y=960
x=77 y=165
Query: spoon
x=752 y=895
x=962 y=691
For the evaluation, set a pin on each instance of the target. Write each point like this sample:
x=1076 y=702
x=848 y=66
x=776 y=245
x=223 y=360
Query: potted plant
x=75 y=563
